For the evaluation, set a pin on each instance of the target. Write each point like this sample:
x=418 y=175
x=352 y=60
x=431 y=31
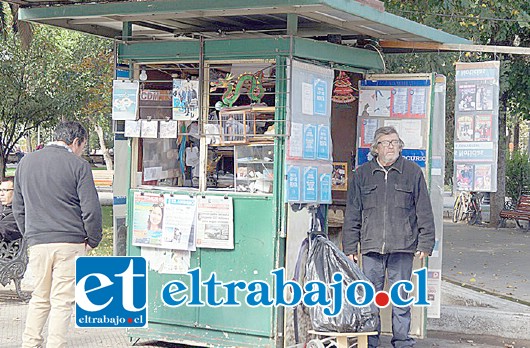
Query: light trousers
x=53 y=265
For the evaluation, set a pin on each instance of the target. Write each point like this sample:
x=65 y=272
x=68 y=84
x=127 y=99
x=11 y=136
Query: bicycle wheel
x=475 y=217
x=457 y=209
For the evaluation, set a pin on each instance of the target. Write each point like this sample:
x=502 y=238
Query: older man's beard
x=389 y=158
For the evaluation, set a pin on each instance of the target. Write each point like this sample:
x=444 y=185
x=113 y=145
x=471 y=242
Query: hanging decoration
x=252 y=82
x=342 y=89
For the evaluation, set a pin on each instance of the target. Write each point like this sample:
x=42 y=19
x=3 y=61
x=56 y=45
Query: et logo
x=111 y=291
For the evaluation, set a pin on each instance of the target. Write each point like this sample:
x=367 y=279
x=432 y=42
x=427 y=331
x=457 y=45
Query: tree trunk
x=497 y=198
x=516 y=135
x=104 y=150
x=3 y=161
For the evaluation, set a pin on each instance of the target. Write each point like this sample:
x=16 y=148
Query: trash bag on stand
x=324 y=260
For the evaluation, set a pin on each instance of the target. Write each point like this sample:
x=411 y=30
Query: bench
x=520 y=213
x=340 y=337
x=103 y=177
x=13 y=264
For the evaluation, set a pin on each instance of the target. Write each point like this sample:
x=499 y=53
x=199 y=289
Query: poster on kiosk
x=414 y=105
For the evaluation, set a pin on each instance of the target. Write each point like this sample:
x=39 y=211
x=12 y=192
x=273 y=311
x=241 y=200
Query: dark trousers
x=397 y=266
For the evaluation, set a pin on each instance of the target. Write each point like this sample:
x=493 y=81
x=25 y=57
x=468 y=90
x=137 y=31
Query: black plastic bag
x=324 y=260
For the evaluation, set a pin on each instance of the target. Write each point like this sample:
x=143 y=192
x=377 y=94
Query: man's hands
x=353 y=257
x=87 y=248
x=422 y=254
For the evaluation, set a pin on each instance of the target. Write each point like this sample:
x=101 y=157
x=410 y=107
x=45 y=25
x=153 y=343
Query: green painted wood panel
x=253 y=257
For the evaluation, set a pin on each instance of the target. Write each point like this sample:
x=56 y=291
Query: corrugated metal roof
x=187 y=19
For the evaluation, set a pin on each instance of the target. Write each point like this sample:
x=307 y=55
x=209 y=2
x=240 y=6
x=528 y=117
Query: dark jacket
x=8 y=226
x=388 y=212
x=55 y=200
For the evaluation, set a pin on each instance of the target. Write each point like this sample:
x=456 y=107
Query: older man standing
x=8 y=226
x=56 y=207
x=389 y=215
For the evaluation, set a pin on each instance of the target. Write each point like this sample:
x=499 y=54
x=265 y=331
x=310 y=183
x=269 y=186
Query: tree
x=94 y=75
x=35 y=87
x=484 y=22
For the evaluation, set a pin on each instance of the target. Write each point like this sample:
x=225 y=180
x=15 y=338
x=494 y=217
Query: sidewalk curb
x=467 y=311
x=483 y=321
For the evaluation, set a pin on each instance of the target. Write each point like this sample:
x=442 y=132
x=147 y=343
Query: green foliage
x=105 y=247
x=485 y=22
x=35 y=84
x=517 y=175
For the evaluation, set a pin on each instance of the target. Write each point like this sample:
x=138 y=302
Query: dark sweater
x=55 y=199
x=8 y=226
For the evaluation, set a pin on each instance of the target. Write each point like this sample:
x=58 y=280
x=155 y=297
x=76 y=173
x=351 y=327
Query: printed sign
x=111 y=291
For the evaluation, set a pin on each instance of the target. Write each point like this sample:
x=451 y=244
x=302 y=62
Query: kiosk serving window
x=230 y=115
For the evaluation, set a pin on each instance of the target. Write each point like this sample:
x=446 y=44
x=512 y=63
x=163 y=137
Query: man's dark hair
x=68 y=131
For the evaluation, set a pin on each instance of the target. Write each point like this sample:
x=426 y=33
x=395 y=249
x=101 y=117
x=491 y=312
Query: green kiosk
x=234 y=121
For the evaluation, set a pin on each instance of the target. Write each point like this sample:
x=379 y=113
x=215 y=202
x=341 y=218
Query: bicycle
x=467 y=207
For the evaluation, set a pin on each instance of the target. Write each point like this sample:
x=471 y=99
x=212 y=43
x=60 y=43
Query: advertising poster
x=133 y=129
x=466 y=97
x=323 y=148
x=374 y=103
x=484 y=97
x=185 y=100
x=179 y=222
x=476 y=125
x=482 y=179
x=417 y=156
x=483 y=128
x=411 y=134
x=293 y=184
x=124 y=100
x=168 y=129
x=339 y=176
x=321 y=97
x=215 y=222
x=399 y=102
x=296 y=140
x=309 y=186
x=149 y=129
x=473 y=152
x=148 y=219
x=464 y=177
x=325 y=188
x=418 y=102
x=368 y=128
x=307 y=98
x=464 y=128
x=309 y=143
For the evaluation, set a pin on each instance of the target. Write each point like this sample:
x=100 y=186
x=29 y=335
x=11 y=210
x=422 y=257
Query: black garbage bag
x=324 y=260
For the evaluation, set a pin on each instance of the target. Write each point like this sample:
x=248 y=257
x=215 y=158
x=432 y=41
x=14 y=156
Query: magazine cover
x=464 y=128
x=482 y=177
x=484 y=97
x=464 y=177
x=483 y=127
x=466 y=97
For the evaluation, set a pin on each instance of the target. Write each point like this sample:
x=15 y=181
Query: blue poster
x=416 y=156
x=323 y=145
x=310 y=184
x=321 y=92
x=293 y=184
x=325 y=188
x=363 y=155
x=310 y=133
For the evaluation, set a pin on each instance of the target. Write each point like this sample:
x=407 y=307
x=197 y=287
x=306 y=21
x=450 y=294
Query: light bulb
x=143 y=75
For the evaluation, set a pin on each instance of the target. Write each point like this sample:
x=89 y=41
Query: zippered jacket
x=388 y=211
